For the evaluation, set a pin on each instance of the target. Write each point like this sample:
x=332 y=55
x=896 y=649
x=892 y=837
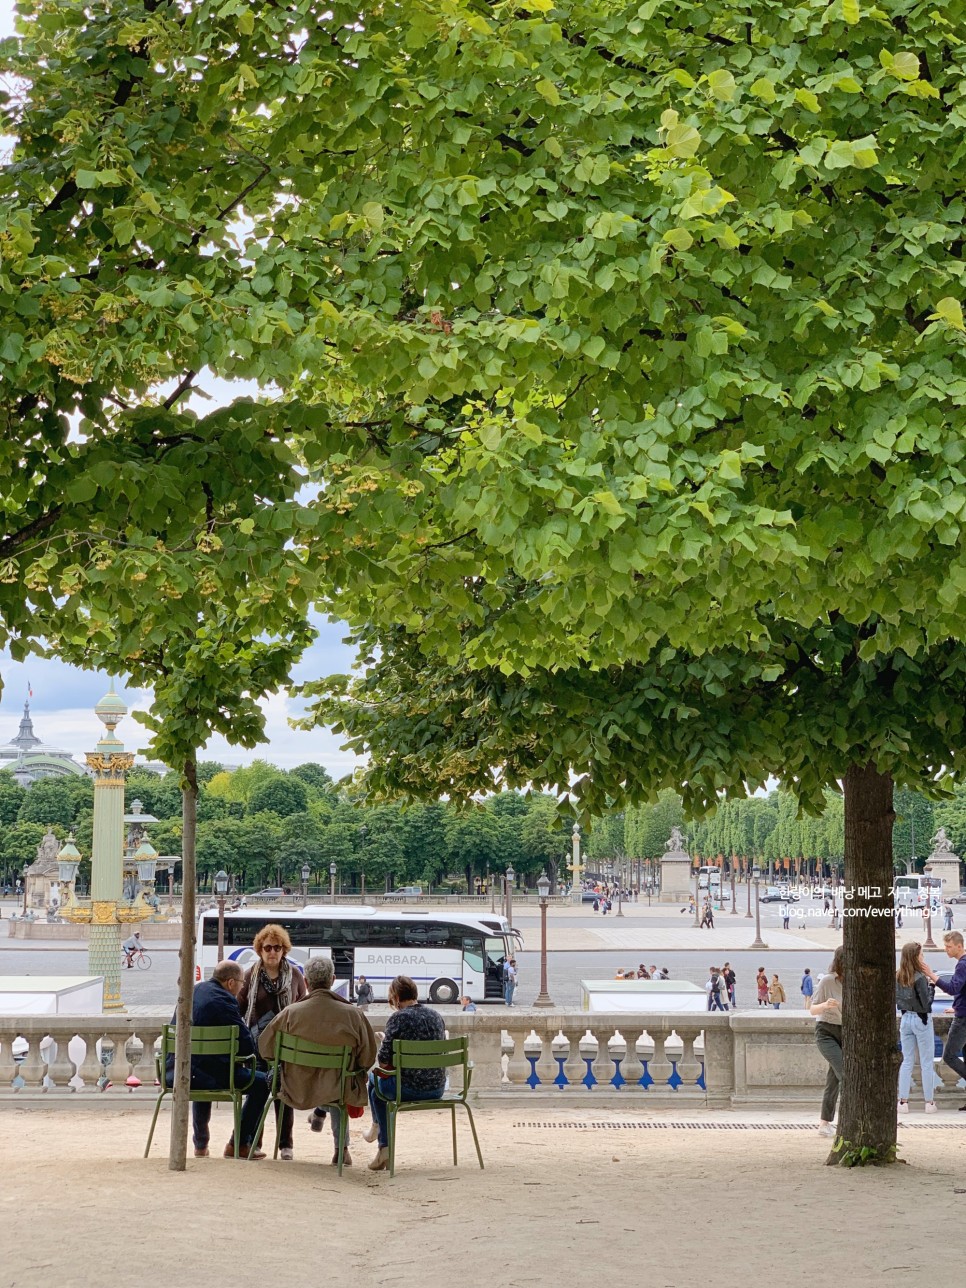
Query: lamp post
x=748 y=913
x=221 y=889
x=620 y=894
x=543 y=889
x=23 y=873
x=759 y=942
x=697 y=898
x=306 y=873
x=734 y=893
x=510 y=878
x=576 y=886
x=332 y=871
x=363 y=834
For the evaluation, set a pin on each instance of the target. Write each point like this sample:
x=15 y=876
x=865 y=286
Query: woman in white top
x=827 y=1008
x=914 y=1000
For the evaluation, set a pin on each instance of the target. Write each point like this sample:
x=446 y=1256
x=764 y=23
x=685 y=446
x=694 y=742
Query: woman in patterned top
x=411 y=1022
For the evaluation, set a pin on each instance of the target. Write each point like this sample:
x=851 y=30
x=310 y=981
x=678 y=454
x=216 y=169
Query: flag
x=30 y=692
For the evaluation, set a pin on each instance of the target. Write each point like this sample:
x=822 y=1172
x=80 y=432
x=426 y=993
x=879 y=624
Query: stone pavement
x=663 y=1199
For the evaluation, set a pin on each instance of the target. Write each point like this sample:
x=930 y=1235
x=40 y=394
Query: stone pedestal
x=675 y=870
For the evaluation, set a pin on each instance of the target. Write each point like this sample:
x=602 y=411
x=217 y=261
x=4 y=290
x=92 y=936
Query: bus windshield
x=448 y=955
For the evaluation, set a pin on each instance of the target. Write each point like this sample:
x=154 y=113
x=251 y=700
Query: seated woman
x=411 y=1022
x=272 y=983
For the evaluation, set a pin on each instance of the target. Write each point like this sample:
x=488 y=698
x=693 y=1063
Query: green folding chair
x=451 y=1054
x=213 y=1039
x=293 y=1050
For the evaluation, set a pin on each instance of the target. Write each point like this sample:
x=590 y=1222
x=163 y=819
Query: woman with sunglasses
x=272 y=983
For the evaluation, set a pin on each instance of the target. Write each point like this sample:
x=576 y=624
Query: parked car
x=774 y=895
x=273 y=892
x=406 y=892
x=957 y=898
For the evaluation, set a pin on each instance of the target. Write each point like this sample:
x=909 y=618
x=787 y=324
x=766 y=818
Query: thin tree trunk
x=867 y=1116
x=178 y=1146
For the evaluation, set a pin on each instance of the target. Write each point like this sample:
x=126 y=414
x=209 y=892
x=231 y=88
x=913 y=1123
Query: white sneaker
x=287 y=1155
x=371 y=1132
x=931 y=1107
x=903 y=1106
x=827 y=1129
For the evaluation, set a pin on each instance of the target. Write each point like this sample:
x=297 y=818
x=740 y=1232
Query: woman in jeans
x=411 y=1022
x=914 y=996
x=827 y=1006
x=272 y=983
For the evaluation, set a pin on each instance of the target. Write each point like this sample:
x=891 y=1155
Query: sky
x=64 y=697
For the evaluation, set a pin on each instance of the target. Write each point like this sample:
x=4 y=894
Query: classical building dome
x=28 y=758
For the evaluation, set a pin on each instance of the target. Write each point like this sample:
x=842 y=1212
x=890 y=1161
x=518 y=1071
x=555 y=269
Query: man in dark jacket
x=214 y=1003
x=955 y=986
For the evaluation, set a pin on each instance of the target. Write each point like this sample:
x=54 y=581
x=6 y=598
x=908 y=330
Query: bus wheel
x=443 y=990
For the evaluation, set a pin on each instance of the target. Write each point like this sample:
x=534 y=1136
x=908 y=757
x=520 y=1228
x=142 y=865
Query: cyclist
x=131 y=947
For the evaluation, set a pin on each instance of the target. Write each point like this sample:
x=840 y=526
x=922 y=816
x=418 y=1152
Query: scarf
x=281 y=987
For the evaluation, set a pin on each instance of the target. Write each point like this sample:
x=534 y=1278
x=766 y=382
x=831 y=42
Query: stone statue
x=675 y=842
x=940 y=843
x=48 y=849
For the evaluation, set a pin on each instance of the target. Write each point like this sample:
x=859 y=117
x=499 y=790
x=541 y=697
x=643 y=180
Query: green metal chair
x=218 y=1039
x=290 y=1049
x=449 y=1053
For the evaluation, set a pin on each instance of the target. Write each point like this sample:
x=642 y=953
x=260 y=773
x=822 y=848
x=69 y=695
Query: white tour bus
x=917 y=891
x=448 y=954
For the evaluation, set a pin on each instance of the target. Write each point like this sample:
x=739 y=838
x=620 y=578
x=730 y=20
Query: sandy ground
x=566 y=1195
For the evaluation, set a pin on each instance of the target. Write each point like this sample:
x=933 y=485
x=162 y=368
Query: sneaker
x=371 y=1133
x=317 y=1120
x=903 y=1106
x=286 y=1155
x=827 y=1129
x=380 y=1160
x=346 y=1158
x=931 y=1107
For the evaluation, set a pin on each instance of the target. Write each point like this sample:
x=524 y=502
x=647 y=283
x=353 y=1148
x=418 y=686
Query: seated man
x=411 y=1021
x=214 y=1003
x=131 y=946
x=328 y=1019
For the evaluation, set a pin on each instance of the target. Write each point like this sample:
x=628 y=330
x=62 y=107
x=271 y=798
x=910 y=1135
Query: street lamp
x=24 y=875
x=510 y=878
x=734 y=893
x=363 y=833
x=759 y=942
x=543 y=889
x=697 y=898
x=332 y=871
x=221 y=889
x=306 y=873
x=748 y=913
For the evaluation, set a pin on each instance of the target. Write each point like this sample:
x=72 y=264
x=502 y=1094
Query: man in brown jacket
x=330 y=1020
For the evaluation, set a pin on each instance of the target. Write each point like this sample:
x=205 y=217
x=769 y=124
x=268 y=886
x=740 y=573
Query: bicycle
x=140 y=959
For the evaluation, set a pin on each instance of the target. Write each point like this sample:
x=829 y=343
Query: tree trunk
x=178 y=1145
x=867 y=1115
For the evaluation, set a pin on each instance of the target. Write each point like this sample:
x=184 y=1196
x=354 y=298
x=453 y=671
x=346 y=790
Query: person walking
x=761 y=986
x=364 y=993
x=808 y=987
x=729 y=979
x=776 y=993
x=827 y=1008
x=947 y=915
x=914 y=994
x=785 y=915
x=690 y=907
x=715 y=987
x=955 y=986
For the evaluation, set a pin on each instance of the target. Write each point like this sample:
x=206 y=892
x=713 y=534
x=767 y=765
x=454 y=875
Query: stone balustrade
x=721 y=1060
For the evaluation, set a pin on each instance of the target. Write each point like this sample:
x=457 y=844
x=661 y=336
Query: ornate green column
x=110 y=763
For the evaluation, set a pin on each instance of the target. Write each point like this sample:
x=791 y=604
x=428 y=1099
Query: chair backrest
x=206 y=1039
x=290 y=1049
x=444 y=1053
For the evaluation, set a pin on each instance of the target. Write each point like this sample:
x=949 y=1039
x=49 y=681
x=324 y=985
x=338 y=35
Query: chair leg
x=343 y=1132
x=154 y=1122
x=391 y=1123
x=261 y=1128
x=236 y=1106
x=452 y=1114
x=476 y=1140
